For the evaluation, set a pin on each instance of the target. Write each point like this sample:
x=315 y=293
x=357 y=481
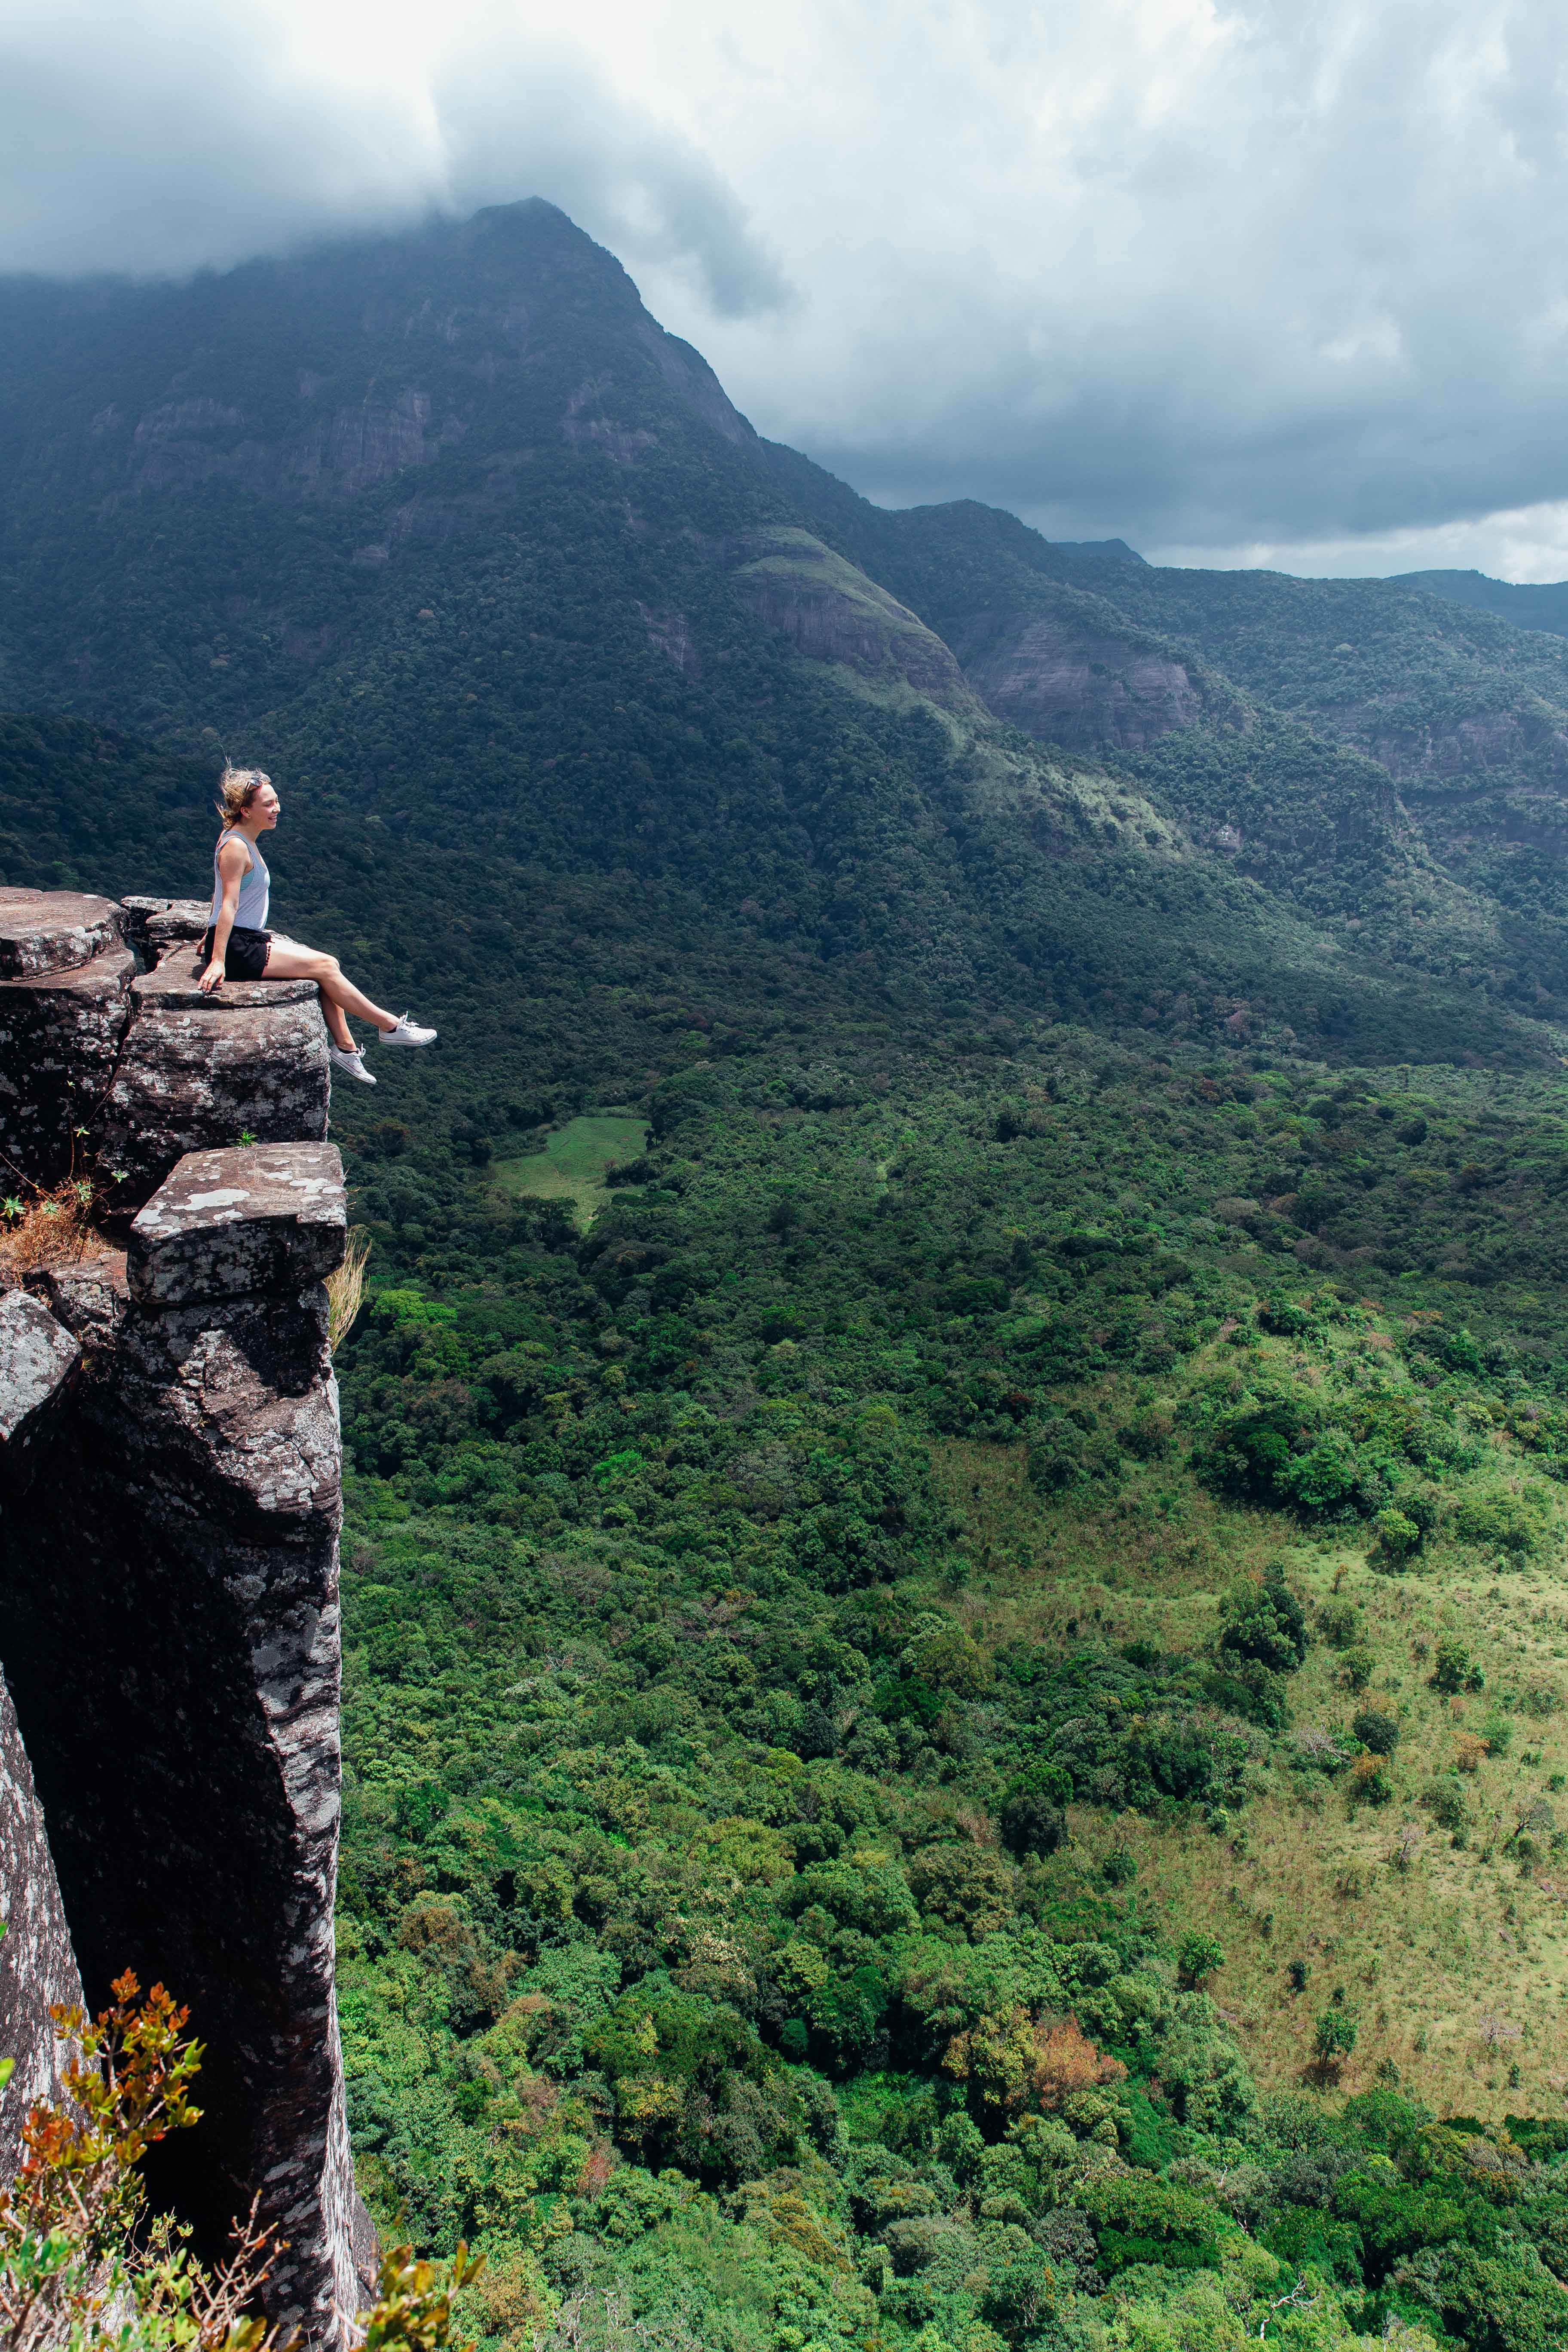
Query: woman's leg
x=286 y=960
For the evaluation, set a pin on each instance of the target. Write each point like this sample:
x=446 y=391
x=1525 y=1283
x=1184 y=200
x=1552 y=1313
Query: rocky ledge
x=170 y=1498
x=110 y=1055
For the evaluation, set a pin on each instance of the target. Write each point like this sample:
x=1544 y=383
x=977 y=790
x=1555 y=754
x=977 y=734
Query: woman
x=238 y=946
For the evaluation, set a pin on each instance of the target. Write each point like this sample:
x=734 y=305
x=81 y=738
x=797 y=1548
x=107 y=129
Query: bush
x=1334 y=2035
x=1032 y=1820
x=1376 y=1730
x=1197 y=1956
x=1508 y=1522
x=1266 y=1624
x=1452 y=1669
x=1398 y=1537
x=1339 y=1622
x=1369 y=1783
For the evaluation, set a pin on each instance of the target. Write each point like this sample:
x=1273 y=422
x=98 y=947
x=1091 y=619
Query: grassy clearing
x=1454 y=1959
x=572 y=1163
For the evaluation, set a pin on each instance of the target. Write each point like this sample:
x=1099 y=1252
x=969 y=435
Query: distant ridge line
x=1529 y=605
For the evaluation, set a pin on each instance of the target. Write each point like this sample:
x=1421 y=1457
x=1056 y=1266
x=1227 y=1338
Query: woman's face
x=262 y=813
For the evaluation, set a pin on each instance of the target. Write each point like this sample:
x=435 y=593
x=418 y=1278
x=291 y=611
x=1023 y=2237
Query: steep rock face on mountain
x=170 y=1458
x=1064 y=684
x=831 y=612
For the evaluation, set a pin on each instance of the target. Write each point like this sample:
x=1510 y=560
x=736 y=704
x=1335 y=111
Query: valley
x=956 y=1638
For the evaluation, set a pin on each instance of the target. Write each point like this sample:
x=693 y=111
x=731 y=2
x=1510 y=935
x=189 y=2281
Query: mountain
x=448 y=531
x=954 y=1701
x=1529 y=604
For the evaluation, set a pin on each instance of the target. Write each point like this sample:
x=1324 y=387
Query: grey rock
x=189 y=1761
x=1063 y=681
x=192 y=1078
x=187 y=1750
x=259 y=1217
x=38 y=1359
x=180 y=919
x=37 y=1966
x=139 y=912
x=53 y=931
x=172 y=987
x=89 y=1296
x=60 y=1033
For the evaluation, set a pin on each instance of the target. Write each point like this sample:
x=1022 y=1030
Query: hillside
x=1529 y=604
x=1250 y=708
x=955 y=1659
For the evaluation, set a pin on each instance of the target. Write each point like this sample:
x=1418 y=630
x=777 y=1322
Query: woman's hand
x=212 y=978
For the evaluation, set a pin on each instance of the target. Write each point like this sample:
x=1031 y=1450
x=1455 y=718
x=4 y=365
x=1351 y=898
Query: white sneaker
x=407 y=1033
x=353 y=1062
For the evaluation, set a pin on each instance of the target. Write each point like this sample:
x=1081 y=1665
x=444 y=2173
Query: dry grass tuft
x=345 y=1288
x=40 y=1229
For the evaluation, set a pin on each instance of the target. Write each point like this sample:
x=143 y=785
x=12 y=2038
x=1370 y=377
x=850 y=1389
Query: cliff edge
x=170 y=1500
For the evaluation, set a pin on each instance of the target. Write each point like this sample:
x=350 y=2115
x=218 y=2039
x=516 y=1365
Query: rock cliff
x=1065 y=682
x=170 y=1498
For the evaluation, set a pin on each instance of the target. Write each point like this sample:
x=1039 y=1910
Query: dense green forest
x=956 y=1662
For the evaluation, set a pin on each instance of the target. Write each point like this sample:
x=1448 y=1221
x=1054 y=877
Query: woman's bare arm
x=232 y=865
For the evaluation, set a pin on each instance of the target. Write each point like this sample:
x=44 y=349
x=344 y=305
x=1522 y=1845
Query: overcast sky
x=1276 y=283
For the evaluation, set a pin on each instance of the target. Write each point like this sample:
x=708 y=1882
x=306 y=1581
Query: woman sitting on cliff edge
x=238 y=946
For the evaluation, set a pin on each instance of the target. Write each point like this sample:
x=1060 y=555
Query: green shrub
x=1334 y=2035
x=1266 y=1624
x=1032 y=1820
x=1510 y=1522
x=1197 y=1956
x=1398 y=1537
x=1452 y=1668
x=1376 y=1730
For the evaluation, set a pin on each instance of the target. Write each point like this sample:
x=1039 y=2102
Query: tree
x=1451 y=1668
x=1335 y=2034
x=1032 y=1820
x=1266 y=1624
x=1197 y=1956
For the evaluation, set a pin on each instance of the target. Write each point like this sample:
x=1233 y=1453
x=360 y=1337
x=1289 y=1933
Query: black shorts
x=247 y=956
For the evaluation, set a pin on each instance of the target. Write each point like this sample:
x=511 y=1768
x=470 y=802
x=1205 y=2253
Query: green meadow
x=575 y=1162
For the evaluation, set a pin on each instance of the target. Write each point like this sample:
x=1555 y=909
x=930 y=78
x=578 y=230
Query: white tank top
x=254 y=890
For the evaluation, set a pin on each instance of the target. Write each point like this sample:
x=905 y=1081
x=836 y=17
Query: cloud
x=159 y=136
x=1227 y=277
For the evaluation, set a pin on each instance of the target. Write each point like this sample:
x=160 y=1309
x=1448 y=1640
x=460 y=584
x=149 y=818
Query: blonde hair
x=237 y=788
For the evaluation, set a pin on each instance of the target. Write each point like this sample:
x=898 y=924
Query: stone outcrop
x=831 y=612
x=37 y=1966
x=1063 y=681
x=227 y=1224
x=130 y=1068
x=169 y=1613
x=38 y=1359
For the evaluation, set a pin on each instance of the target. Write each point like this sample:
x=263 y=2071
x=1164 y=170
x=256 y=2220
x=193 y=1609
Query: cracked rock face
x=194 y=1077
x=37 y=1966
x=38 y=1359
x=177 y=1415
x=61 y=1033
x=54 y=931
x=89 y=1297
x=263 y=1217
x=135 y=1069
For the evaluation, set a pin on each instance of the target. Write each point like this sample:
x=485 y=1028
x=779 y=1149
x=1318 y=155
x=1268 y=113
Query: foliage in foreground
x=82 y=2263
